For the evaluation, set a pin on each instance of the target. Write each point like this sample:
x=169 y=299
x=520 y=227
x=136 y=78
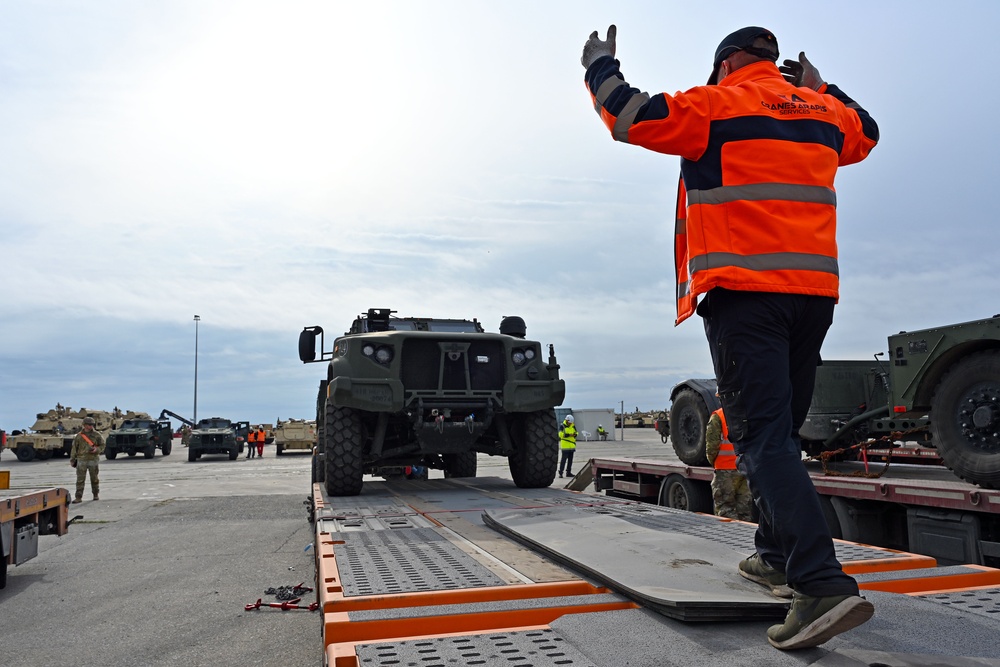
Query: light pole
x=196 y=320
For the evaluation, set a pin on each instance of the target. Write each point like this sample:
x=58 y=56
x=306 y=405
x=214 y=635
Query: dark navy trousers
x=765 y=348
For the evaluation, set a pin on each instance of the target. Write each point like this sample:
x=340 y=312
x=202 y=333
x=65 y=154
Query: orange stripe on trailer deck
x=462 y=596
x=344 y=654
x=968 y=589
x=339 y=625
x=984 y=577
x=905 y=561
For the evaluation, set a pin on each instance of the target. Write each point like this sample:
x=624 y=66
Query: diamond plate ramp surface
x=679 y=575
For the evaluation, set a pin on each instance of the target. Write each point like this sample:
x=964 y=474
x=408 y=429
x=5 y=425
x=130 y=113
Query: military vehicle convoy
x=217 y=435
x=939 y=387
x=294 y=434
x=53 y=432
x=139 y=433
x=432 y=393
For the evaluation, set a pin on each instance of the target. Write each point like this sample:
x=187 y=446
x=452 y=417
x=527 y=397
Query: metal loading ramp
x=410 y=573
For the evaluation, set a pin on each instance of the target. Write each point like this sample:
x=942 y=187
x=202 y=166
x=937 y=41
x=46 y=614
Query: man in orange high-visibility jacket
x=251 y=443
x=756 y=237
x=730 y=491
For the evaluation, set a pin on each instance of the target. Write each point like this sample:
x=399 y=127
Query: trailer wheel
x=688 y=419
x=681 y=493
x=110 y=454
x=536 y=450
x=25 y=453
x=192 y=456
x=462 y=464
x=345 y=442
x=965 y=418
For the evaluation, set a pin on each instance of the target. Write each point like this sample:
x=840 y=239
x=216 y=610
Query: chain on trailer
x=886 y=442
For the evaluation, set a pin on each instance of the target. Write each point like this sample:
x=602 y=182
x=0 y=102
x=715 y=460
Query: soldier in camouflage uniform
x=88 y=445
x=730 y=491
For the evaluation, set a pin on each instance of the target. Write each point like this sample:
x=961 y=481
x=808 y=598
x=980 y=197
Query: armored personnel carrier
x=137 y=433
x=217 y=435
x=433 y=393
x=53 y=432
x=294 y=434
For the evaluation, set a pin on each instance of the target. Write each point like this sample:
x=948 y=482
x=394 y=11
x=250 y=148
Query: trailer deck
x=409 y=573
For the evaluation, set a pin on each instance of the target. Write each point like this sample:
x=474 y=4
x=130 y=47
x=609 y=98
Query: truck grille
x=452 y=365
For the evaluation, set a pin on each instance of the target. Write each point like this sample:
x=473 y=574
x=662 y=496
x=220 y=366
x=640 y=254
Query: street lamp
x=196 y=320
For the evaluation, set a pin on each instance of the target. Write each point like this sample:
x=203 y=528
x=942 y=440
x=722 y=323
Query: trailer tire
x=965 y=420
x=110 y=454
x=344 y=447
x=536 y=451
x=688 y=419
x=681 y=493
x=462 y=464
x=25 y=453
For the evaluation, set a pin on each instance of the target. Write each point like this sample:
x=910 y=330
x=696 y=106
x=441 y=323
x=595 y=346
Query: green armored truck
x=216 y=435
x=139 y=432
x=939 y=388
x=421 y=392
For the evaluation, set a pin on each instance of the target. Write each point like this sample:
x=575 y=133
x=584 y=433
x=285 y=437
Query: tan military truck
x=294 y=434
x=53 y=432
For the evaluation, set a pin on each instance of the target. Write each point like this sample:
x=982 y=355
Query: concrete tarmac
x=158 y=571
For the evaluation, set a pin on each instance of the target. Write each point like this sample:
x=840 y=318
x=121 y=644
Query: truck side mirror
x=307 y=344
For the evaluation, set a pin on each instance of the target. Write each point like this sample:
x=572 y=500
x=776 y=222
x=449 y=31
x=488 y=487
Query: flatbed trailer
x=923 y=509
x=24 y=515
x=409 y=573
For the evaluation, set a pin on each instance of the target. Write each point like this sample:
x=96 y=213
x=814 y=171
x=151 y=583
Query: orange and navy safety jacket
x=756 y=207
x=726 y=460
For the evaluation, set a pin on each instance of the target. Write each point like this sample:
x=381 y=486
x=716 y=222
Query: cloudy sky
x=271 y=165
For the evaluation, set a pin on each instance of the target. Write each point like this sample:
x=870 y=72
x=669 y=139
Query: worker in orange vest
x=261 y=437
x=730 y=491
x=251 y=444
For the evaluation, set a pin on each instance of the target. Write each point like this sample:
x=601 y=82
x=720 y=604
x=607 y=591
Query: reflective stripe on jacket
x=567 y=436
x=726 y=460
x=756 y=209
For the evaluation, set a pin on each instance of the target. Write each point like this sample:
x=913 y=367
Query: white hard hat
x=600 y=426
x=569 y=419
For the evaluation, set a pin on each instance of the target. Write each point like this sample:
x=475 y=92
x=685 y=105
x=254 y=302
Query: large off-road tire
x=150 y=451
x=110 y=454
x=536 y=449
x=25 y=453
x=681 y=493
x=192 y=456
x=279 y=450
x=965 y=418
x=166 y=448
x=462 y=464
x=234 y=453
x=688 y=419
x=43 y=454
x=344 y=446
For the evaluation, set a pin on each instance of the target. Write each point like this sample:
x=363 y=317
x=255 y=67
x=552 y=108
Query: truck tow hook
x=283 y=606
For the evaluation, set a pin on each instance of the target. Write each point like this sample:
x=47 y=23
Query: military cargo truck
x=939 y=388
x=294 y=434
x=432 y=393
x=217 y=435
x=53 y=432
x=137 y=433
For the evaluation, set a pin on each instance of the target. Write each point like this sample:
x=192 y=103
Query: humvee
x=140 y=433
x=432 y=393
x=216 y=435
